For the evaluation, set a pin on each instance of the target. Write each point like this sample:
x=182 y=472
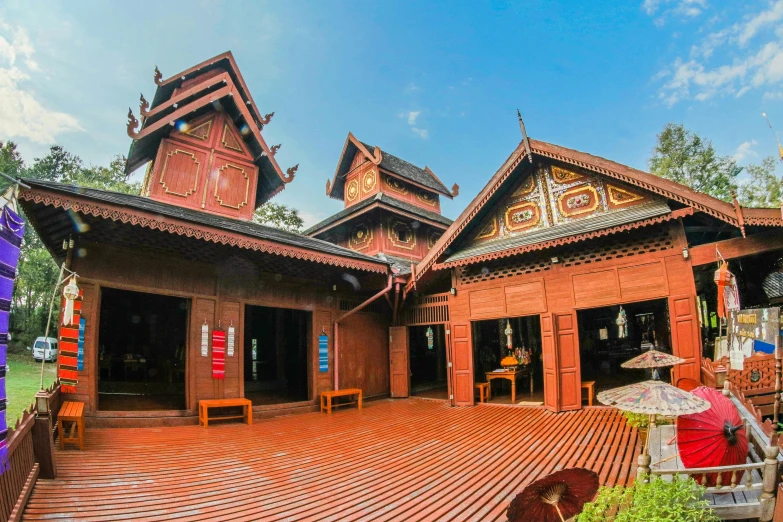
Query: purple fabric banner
x=11 y=232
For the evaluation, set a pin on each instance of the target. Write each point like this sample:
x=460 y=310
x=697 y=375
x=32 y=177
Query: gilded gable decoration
x=229 y=140
x=352 y=191
x=563 y=176
x=620 y=196
x=369 y=180
x=433 y=237
x=426 y=197
x=200 y=132
x=527 y=186
x=395 y=185
x=489 y=230
x=361 y=237
x=401 y=234
x=521 y=216
x=578 y=200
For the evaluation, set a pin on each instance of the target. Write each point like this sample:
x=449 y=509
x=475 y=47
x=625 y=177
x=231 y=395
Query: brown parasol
x=555 y=497
x=652 y=359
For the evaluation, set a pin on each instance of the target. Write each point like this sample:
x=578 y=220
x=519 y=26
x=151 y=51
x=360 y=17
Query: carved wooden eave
x=171 y=225
x=567 y=240
x=671 y=190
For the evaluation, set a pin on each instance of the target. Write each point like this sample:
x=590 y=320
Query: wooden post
x=769 y=481
x=643 y=469
x=43 y=446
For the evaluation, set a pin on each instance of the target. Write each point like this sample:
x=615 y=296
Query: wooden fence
x=17 y=482
x=428 y=309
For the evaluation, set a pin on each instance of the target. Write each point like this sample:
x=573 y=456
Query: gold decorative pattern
x=433 y=237
x=526 y=187
x=619 y=196
x=352 y=191
x=217 y=185
x=201 y=131
x=395 y=185
x=426 y=198
x=361 y=237
x=401 y=234
x=229 y=140
x=164 y=169
x=489 y=230
x=521 y=216
x=578 y=200
x=563 y=176
x=369 y=180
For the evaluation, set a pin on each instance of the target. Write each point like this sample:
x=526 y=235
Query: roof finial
x=274 y=148
x=133 y=124
x=525 y=139
x=267 y=118
x=780 y=148
x=158 y=78
x=144 y=105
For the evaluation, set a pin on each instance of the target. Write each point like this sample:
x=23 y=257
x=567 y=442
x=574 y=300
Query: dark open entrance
x=490 y=347
x=602 y=349
x=141 y=359
x=276 y=355
x=428 y=364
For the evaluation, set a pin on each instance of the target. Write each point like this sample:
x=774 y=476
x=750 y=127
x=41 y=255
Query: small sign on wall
x=323 y=353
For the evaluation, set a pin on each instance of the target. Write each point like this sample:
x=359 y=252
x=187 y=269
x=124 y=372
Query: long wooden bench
x=327 y=396
x=70 y=423
x=205 y=405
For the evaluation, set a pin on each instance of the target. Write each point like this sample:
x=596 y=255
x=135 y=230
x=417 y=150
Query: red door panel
x=686 y=341
x=549 y=356
x=568 y=359
x=462 y=359
x=398 y=361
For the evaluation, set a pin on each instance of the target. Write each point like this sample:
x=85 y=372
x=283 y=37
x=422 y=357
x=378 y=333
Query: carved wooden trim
x=180 y=228
x=394 y=224
x=217 y=185
x=166 y=164
x=236 y=146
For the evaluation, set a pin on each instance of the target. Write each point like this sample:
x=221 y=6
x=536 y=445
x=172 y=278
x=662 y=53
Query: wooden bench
x=71 y=412
x=327 y=396
x=590 y=387
x=205 y=405
x=484 y=391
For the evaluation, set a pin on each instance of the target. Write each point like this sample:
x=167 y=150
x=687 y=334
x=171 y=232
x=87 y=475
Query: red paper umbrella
x=555 y=497
x=715 y=437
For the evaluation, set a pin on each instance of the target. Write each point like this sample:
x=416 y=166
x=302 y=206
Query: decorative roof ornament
x=455 y=190
x=267 y=118
x=158 y=78
x=525 y=139
x=133 y=125
x=144 y=105
x=273 y=150
x=328 y=186
x=290 y=173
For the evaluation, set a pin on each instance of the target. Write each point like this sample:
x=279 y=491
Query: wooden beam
x=737 y=247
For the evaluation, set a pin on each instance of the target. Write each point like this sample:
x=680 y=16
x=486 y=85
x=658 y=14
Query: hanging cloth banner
x=323 y=353
x=204 y=339
x=11 y=232
x=68 y=349
x=218 y=354
x=230 y=341
x=728 y=294
x=80 y=357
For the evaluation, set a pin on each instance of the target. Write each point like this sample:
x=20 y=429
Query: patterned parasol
x=653 y=398
x=652 y=359
x=555 y=497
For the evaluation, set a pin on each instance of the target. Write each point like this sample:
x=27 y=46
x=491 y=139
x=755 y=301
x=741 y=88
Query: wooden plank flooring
x=411 y=460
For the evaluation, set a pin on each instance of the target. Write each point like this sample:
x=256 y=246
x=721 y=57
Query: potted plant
x=655 y=501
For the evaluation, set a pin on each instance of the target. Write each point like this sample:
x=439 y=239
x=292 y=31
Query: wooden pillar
x=43 y=446
x=769 y=481
x=280 y=346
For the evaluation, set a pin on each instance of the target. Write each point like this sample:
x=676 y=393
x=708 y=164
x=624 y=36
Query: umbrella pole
x=558 y=512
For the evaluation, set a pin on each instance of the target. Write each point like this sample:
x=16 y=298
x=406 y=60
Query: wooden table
x=511 y=376
x=72 y=412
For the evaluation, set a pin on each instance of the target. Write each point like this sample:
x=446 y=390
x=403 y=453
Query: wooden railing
x=17 y=482
x=428 y=309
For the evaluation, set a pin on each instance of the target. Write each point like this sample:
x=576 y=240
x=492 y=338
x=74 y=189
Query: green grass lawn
x=23 y=381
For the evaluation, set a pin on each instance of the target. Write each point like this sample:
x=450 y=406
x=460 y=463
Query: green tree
x=763 y=187
x=279 y=216
x=685 y=157
x=10 y=159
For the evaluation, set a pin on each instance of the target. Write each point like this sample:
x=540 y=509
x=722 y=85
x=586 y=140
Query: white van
x=44 y=350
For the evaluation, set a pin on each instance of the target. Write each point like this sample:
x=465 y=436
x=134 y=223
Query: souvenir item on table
x=204 y=339
x=68 y=349
x=11 y=232
x=230 y=341
x=218 y=354
x=430 y=340
x=622 y=324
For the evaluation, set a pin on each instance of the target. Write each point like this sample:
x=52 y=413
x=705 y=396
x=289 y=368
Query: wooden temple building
x=577 y=260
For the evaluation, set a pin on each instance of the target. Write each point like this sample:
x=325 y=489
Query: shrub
x=655 y=501
x=642 y=420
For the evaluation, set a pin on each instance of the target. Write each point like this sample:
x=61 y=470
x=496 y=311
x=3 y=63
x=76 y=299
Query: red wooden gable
x=206 y=166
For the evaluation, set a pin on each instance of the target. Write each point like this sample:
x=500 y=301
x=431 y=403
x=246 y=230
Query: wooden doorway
x=428 y=361
x=399 y=363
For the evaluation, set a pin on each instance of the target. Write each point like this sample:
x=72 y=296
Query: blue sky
x=437 y=83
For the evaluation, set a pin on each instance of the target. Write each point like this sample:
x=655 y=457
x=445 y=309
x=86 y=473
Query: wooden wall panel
x=399 y=363
x=322 y=322
x=596 y=288
x=679 y=273
x=364 y=353
x=549 y=360
x=525 y=298
x=462 y=359
x=686 y=338
x=487 y=303
x=87 y=385
x=230 y=313
x=201 y=385
x=567 y=339
x=642 y=282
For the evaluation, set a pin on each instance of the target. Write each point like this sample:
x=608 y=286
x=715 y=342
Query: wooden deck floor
x=411 y=460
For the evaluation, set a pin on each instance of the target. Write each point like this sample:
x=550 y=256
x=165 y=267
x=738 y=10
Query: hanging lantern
x=622 y=324
x=430 y=343
x=70 y=292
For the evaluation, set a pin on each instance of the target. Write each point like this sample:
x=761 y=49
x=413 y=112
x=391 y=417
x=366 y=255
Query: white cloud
x=421 y=133
x=703 y=76
x=411 y=88
x=682 y=8
x=772 y=95
x=21 y=114
x=745 y=150
x=412 y=115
